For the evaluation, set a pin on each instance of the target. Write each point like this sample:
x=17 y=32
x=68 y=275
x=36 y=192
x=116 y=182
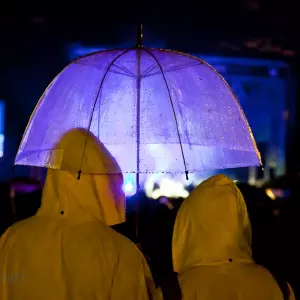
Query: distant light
x=169 y=188
x=78 y=50
x=129 y=186
x=150 y=182
x=1 y=145
x=273 y=72
x=156 y=194
x=270 y=194
x=277 y=193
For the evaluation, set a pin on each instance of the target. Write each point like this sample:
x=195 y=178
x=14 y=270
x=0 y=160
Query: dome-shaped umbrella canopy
x=154 y=110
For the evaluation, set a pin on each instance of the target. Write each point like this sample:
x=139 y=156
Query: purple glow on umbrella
x=102 y=89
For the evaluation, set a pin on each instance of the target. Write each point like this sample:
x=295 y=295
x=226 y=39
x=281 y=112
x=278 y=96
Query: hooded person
x=211 y=247
x=67 y=250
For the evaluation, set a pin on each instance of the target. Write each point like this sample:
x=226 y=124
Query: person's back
x=49 y=259
x=212 y=247
x=67 y=251
x=229 y=282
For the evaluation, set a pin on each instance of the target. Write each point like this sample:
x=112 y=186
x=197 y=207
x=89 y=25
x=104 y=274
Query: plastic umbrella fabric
x=143 y=102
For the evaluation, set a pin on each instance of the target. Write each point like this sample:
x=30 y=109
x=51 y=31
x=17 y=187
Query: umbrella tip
x=139 y=36
x=187 y=175
x=79 y=175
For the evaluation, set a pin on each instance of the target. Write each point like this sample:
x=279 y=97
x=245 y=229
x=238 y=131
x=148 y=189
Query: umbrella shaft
x=138 y=98
x=138 y=112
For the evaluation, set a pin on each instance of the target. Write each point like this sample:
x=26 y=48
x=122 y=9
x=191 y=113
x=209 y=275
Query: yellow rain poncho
x=212 y=247
x=67 y=251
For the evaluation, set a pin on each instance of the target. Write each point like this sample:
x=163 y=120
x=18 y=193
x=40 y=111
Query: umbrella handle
x=187 y=175
x=137 y=209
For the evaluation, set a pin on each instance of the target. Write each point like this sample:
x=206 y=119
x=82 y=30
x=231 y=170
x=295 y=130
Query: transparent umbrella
x=137 y=101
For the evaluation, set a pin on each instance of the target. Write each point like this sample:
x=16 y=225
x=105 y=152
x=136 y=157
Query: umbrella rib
x=125 y=70
x=172 y=105
x=94 y=105
x=176 y=68
x=148 y=71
